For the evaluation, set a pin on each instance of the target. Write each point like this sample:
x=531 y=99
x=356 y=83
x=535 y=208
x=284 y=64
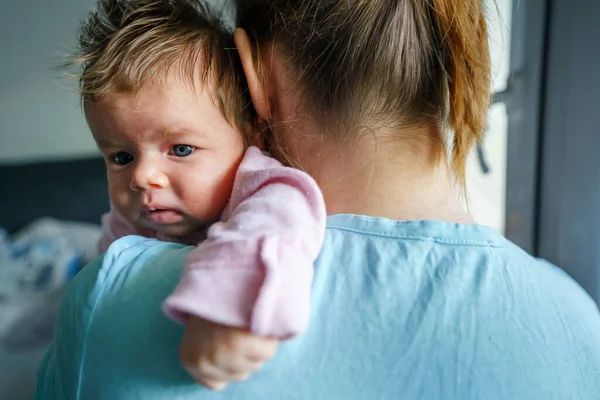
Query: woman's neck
x=388 y=178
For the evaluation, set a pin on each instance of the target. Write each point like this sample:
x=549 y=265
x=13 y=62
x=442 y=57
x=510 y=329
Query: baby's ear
x=257 y=88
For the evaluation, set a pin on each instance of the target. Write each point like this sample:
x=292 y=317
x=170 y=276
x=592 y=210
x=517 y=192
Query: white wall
x=39 y=117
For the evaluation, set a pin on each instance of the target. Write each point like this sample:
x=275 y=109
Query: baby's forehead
x=171 y=107
x=170 y=90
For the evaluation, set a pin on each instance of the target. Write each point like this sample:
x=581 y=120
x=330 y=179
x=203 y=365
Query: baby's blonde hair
x=125 y=44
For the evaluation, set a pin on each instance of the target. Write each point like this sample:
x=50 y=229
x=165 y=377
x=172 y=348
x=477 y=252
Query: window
x=486 y=168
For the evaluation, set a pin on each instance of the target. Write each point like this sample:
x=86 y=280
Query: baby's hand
x=215 y=355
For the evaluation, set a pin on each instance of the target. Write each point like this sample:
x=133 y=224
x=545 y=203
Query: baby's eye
x=122 y=158
x=182 y=150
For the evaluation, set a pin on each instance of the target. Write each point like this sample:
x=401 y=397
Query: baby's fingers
x=213 y=384
x=208 y=375
x=215 y=374
x=221 y=384
x=260 y=349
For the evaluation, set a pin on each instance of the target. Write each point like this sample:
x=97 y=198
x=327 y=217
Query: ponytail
x=465 y=54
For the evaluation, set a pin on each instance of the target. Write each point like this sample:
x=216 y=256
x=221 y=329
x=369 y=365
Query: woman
x=411 y=299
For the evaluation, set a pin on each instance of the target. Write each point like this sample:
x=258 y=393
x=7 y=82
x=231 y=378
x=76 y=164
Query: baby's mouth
x=162 y=216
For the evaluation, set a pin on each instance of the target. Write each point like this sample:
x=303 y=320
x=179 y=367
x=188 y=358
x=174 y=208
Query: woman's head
x=362 y=66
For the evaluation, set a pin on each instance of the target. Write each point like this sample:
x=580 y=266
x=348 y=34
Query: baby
x=163 y=92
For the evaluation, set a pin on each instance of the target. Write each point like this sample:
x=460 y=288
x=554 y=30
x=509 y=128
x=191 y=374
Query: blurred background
x=536 y=178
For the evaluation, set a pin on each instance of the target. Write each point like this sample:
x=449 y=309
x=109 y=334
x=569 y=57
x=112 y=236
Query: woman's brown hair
x=383 y=63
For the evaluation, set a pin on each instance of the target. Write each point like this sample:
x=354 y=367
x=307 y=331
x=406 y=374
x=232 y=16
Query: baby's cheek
x=119 y=194
x=206 y=199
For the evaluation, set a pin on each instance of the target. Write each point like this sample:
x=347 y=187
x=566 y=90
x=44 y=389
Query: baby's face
x=170 y=154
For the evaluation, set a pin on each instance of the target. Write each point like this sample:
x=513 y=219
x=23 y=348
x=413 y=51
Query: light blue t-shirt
x=401 y=310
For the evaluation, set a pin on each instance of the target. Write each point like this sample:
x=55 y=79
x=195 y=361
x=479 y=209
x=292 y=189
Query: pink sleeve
x=255 y=269
x=114 y=227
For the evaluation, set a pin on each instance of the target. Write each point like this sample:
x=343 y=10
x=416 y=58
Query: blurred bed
x=73 y=190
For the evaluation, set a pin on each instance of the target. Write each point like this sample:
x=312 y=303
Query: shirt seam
x=391 y=235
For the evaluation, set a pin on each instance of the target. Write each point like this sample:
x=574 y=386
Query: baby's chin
x=184 y=233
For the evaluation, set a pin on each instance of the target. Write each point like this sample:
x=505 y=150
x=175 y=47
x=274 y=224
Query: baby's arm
x=255 y=269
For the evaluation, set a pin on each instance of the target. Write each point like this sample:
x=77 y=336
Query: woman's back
x=400 y=310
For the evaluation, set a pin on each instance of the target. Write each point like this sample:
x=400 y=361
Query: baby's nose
x=147 y=175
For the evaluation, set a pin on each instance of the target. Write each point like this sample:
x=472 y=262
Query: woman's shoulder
x=106 y=304
x=126 y=261
x=455 y=264
x=448 y=253
x=466 y=296
x=129 y=266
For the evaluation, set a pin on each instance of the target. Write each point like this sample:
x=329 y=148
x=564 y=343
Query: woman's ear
x=258 y=90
